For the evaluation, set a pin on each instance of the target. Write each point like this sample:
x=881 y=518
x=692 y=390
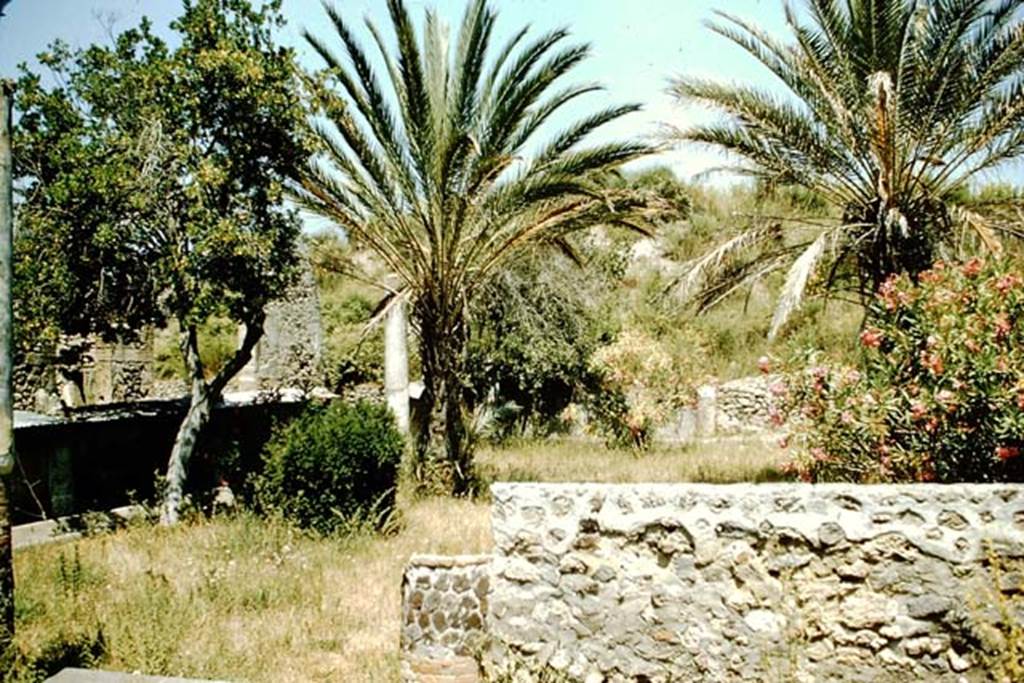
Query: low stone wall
x=739 y=582
x=444 y=616
x=745 y=405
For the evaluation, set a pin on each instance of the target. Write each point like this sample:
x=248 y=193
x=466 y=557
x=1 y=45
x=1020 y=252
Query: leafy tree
x=895 y=106
x=81 y=195
x=445 y=178
x=189 y=148
x=535 y=326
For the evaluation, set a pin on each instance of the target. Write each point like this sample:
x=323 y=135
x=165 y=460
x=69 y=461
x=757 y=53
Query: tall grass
x=243 y=598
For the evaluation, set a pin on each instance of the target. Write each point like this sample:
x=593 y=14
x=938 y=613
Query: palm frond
x=795 y=287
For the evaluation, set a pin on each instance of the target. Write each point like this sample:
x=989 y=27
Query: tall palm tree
x=893 y=107
x=444 y=176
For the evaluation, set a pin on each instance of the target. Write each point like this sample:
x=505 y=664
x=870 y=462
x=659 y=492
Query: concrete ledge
x=91 y=676
x=448 y=561
x=69 y=528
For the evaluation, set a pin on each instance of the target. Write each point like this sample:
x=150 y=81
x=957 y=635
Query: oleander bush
x=333 y=465
x=938 y=394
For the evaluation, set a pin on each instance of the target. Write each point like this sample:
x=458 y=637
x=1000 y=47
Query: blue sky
x=637 y=44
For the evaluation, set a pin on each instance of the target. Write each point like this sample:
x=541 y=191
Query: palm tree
x=893 y=107
x=445 y=178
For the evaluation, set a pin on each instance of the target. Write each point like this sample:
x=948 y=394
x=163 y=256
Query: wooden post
x=6 y=362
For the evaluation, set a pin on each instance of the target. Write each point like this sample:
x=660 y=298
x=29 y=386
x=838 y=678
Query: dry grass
x=720 y=461
x=247 y=599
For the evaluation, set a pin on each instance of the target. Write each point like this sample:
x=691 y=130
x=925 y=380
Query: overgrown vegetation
x=939 y=392
x=446 y=188
x=893 y=107
x=333 y=466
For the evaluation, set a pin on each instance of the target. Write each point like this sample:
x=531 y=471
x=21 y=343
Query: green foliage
x=646 y=374
x=153 y=173
x=450 y=179
x=353 y=348
x=332 y=465
x=534 y=329
x=218 y=339
x=894 y=107
x=939 y=394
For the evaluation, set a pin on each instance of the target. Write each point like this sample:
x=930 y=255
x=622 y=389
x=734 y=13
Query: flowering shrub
x=645 y=378
x=939 y=394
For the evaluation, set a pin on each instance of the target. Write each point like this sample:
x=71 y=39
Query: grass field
x=247 y=599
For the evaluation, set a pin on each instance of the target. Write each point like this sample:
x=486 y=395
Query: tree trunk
x=202 y=397
x=443 y=454
x=7 y=454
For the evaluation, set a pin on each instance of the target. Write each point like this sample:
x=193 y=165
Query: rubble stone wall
x=679 y=582
x=444 y=617
x=745 y=405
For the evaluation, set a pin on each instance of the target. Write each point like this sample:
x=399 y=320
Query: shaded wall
x=104 y=458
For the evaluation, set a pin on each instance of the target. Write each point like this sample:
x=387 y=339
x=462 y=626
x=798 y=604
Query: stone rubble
x=664 y=582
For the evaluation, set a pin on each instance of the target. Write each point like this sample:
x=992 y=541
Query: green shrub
x=332 y=465
x=938 y=394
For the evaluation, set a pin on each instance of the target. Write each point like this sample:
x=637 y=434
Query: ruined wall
x=748 y=582
x=289 y=352
x=745 y=404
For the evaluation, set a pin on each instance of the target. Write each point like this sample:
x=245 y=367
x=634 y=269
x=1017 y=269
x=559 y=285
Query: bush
x=646 y=375
x=938 y=394
x=332 y=465
x=534 y=329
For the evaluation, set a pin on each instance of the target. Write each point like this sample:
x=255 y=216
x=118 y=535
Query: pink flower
x=945 y=397
x=871 y=338
x=1005 y=453
x=846 y=417
x=1007 y=282
x=1002 y=326
x=918 y=410
x=972 y=267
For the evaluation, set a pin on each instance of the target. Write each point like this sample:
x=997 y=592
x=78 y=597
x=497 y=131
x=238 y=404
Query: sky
x=637 y=46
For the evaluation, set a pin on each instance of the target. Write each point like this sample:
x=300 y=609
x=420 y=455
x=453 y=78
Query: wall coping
x=447 y=561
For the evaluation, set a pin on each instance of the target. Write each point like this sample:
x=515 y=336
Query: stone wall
x=289 y=352
x=746 y=582
x=744 y=405
x=444 y=613
x=739 y=406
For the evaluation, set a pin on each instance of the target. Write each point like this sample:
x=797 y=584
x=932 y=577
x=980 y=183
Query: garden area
x=274 y=603
x=415 y=362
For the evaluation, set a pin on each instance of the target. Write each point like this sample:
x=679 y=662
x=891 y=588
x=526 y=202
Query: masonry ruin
x=685 y=582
